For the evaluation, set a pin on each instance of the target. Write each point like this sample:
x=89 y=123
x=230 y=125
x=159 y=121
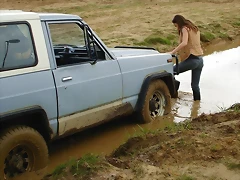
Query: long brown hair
x=181 y=22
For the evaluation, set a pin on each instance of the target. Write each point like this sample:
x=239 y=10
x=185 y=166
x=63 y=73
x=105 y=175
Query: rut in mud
x=205 y=148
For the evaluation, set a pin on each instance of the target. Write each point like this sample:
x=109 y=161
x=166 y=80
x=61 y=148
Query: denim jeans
x=194 y=63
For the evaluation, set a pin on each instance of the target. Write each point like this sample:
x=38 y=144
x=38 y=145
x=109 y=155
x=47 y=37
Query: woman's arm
x=184 y=41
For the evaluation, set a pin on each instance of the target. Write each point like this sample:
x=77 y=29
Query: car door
x=86 y=92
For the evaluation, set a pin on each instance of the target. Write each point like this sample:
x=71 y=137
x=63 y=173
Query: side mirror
x=89 y=39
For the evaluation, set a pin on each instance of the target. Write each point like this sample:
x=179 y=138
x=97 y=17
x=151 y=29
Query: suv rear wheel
x=22 y=149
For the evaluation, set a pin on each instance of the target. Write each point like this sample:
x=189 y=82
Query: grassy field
x=145 y=22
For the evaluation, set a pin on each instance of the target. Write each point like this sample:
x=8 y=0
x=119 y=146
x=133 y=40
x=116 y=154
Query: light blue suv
x=57 y=77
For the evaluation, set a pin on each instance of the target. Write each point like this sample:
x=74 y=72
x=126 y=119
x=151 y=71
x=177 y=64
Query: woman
x=190 y=51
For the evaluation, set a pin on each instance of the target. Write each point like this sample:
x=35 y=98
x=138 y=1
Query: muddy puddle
x=219 y=88
x=220 y=83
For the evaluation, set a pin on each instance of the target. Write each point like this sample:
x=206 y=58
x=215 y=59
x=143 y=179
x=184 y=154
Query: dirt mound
x=206 y=148
x=209 y=141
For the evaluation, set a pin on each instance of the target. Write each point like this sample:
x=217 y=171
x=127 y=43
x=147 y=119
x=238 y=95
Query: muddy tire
x=22 y=149
x=157 y=102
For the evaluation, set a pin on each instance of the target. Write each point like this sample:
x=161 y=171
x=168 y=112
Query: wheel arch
x=33 y=116
x=166 y=77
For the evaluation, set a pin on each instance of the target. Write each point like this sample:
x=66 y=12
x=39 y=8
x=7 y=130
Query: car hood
x=125 y=52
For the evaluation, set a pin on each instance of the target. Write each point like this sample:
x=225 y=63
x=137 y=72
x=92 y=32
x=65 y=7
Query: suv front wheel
x=157 y=102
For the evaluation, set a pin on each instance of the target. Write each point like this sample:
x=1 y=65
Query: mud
x=205 y=148
x=209 y=141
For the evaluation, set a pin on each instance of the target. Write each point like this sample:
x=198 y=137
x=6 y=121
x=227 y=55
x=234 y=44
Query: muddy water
x=220 y=88
x=220 y=83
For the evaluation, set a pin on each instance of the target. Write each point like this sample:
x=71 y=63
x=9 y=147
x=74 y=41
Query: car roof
x=19 y=15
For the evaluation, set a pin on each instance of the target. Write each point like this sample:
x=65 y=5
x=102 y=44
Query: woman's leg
x=196 y=74
x=189 y=64
x=195 y=64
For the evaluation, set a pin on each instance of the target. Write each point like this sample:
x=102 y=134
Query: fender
x=19 y=117
x=168 y=78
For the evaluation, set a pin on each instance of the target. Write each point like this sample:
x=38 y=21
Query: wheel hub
x=153 y=105
x=16 y=162
x=157 y=104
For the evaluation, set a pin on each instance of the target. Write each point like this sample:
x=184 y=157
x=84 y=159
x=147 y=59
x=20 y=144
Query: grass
x=176 y=127
x=207 y=36
x=203 y=135
x=233 y=166
x=143 y=132
x=234 y=108
x=59 y=170
x=138 y=171
x=145 y=23
x=222 y=108
x=84 y=166
x=154 y=40
x=185 y=177
x=172 y=127
x=216 y=148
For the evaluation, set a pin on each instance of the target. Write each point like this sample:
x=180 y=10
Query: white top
x=17 y=15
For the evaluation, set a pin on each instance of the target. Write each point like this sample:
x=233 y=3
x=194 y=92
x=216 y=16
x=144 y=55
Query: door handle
x=69 y=78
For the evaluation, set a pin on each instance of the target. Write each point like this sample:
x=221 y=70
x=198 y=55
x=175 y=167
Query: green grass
x=203 y=135
x=223 y=35
x=207 y=36
x=236 y=23
x=234 y=108
x=138 y=171
x=171 y=37
x=153 y=40
x=185 y=177
x=216 y=148
x=176 y=127
x=233 y=166
x=86 y=165
x=222 y=108
x=143 y=132
x=59 y=170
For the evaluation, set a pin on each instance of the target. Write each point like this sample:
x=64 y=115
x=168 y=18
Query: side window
x=67 y=34
x=16 y=47
x=69 y=45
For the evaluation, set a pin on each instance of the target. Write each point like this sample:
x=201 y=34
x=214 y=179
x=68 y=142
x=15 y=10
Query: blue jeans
x=194 y=63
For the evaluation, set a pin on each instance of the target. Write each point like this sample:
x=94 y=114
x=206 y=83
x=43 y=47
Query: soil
x=206 y=148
